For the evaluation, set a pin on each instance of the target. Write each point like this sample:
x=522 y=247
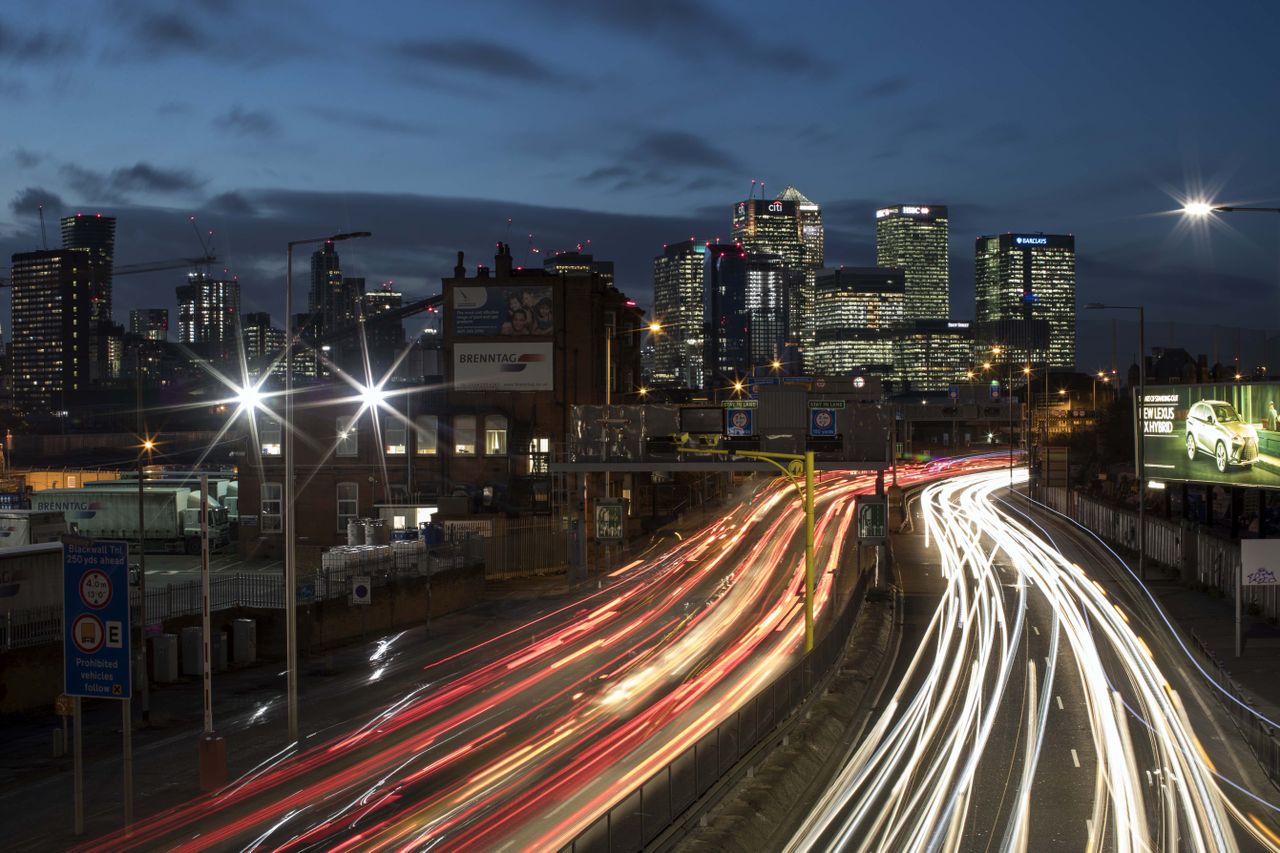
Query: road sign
x=873 y=524
x=361 y=590
x=95 y=618
x=822 y=418
x=739 y=420
x=953 y=392
x=608 y=518
x=995 y=390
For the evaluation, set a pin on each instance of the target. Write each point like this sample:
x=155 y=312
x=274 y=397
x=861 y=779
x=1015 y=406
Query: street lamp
x=290 y=530
x=1138 y=451
x=1201 y=209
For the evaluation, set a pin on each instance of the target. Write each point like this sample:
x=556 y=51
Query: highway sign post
x=361 y=586
x=95 y=646
x=873 y=521
x=822 y=418
x=609 y=522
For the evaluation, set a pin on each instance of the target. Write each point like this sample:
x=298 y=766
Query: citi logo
x=775 y=207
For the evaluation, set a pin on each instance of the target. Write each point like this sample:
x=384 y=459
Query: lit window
x=495 y=435
x=427 y=429
x=464 y=435
x=348 y=444
x=272 y=500
x=268 y=435
x=395 y=438
x=348 y=504
x=539 y=455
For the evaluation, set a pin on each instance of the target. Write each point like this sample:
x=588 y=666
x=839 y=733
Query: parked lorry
x=108 y=511
x=29 y=527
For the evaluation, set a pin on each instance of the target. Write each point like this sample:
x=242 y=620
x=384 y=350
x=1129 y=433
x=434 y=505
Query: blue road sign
x=739 y=423
x=954 y=392
x=995 y=390
x=822 y=422
x=95 y=619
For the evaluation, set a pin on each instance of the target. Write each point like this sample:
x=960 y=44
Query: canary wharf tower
x=913 y=238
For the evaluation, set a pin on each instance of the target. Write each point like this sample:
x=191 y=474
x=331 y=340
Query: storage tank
x=355 y=532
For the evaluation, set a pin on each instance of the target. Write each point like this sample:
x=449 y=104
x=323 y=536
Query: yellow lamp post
x=799 y=471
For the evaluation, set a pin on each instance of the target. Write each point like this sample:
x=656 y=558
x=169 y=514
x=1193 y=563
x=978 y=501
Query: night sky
x=632 y=125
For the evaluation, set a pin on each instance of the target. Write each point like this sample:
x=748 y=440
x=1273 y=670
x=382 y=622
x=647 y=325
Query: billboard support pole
x=77 y=764
x=1239 y=570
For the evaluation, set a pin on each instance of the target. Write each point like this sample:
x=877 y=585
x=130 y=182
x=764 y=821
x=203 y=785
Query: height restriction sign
x=95 y=619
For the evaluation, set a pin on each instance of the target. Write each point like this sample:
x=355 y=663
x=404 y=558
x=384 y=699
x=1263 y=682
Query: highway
x=1041 y=702
x=522 y=740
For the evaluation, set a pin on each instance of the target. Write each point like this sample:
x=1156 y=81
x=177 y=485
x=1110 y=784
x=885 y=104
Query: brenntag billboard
x=1225 y=433
x=503 y=367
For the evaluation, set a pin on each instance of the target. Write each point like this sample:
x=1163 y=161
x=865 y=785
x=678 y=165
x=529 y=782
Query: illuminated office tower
x=58 y=346
x=678 y=306
x=727 y=349
x=768 y=277
x=209 y=315
x=150 y=324
x=913 y=238
x=96 y=234
x=932 y=355
x=577 y=263
x=856 y=313
x=384 y=337
x=1028 y=282
x=800 y=303
x=773 y=227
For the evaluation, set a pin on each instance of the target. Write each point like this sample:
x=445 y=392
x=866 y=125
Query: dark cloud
x=119 y=183
x=887 y=87
x=370 y=121
x=476 y=56
x=658 y=159
x=27 y=201
x=245 y=122
x=26 y=158
x=170 y=32
x=232 y=204
x=693 y=31
x=34 y=46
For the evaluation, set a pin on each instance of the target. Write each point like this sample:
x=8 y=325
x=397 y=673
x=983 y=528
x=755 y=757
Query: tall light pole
x=1204 y=208
x=290 y=531
x=1139 y=454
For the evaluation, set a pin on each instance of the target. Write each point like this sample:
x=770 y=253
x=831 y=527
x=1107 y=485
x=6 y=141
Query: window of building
x=272 y=501
x=348 y=434
x=348 y=504
x=539 y=455
x=495 y=435
x=268 y=435
x=464 y=435
x=427 y=428
x=395 y=438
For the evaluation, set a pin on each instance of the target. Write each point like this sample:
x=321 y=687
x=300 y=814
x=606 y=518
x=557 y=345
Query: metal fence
x=34 y=626
x=1199 y=557
x=527 y=549
x=1260 y=736
x=638 y=818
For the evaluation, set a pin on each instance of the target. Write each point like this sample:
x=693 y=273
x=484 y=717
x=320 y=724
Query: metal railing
x=1260 y=736
x=639 y=817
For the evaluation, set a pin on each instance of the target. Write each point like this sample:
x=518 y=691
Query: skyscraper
x=577 y=263
x=766 y=299
x=95 y=234
x=812 y=236
x=727 y=351
x=857 y=310
x=773 y=227
x=58 y=346
x=913 y=238
x=209 y=315
x=932 y=355
x=384 y=337
x=678 y=306
x=151 y=324
x=263 y=344
x=326 y=279
x=1029 y=278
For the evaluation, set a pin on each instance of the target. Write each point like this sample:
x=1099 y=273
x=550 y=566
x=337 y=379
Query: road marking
x=1075 y=759
x=1059 y=698
x=1037 y=630
x=1088 y=824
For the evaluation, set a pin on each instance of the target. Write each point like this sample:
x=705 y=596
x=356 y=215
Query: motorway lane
x=976 y=752
x=514 y=732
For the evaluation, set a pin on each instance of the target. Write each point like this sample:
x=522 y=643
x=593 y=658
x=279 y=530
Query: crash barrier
x=1260 y=736
x=644 y=813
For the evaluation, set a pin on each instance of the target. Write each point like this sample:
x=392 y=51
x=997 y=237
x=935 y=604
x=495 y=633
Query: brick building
x=520 y=348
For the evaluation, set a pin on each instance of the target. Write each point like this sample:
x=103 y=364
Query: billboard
x=1225 y=433
x=503 y=311
x=503 y=367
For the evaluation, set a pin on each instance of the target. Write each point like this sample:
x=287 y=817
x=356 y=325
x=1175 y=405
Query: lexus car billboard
x=1221 y=433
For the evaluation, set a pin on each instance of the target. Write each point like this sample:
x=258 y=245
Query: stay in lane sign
x=95 y=619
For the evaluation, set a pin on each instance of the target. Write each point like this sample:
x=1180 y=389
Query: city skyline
x=253 y=166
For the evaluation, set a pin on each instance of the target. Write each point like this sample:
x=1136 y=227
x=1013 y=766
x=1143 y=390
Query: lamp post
x=1138 y=451
x=290 y=531
x=1201 y=209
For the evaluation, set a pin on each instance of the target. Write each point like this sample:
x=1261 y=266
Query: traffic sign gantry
x=95 y=618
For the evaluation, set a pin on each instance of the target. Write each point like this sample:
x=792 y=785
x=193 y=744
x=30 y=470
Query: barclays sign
x=1031 y=241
